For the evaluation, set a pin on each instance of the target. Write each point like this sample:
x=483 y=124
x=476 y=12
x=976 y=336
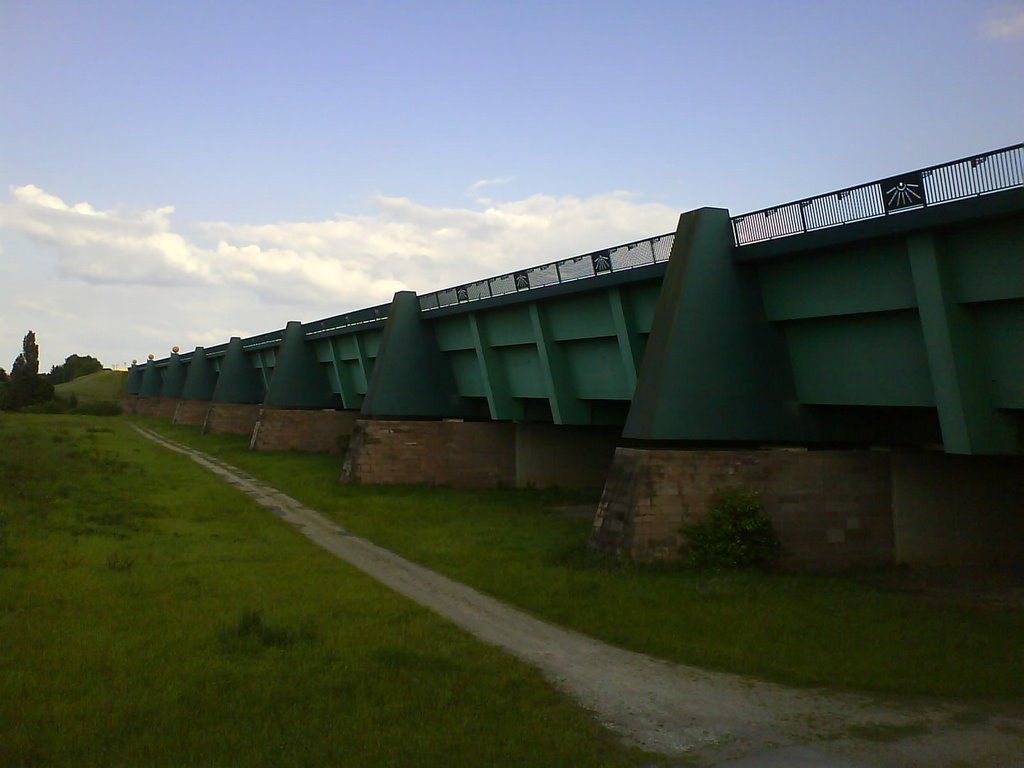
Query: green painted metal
x=875 y=332
x=411 y=378
x=714 y=368
x=931 y=317
x=999 y=331
x=983 y=259
x=629 y=342
x=341 y=378
x=492 y=375
x=582 y=316
x=859 y=278
x=201 y=379
x=174 y=377
x=239 y=380
x=264 y=360
x=133 y=382
x=868 y=360
x=970 y=422
x=566 y=407
x=523 y=368
x=152 y=380
x=349 y=358
x=299 y=380
x=569 y=359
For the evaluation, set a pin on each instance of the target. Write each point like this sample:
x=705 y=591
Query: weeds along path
x=708 y=717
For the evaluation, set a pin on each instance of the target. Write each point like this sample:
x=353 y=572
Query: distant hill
x=102 y=385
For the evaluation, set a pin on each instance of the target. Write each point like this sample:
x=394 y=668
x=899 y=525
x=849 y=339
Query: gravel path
x=689 y=715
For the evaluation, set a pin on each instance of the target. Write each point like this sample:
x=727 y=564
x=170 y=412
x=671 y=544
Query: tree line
x=25 y=386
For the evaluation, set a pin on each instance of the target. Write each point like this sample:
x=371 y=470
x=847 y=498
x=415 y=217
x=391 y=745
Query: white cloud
x=1006 y=23
x=404 y=244
x=138 y=284
x=106 y=246
x=351 y=259
x=491 y=182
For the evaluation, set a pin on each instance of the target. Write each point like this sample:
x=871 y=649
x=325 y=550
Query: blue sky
x=175 y=173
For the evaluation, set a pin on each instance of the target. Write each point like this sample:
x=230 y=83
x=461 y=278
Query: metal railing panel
x=541 y=276
x=577 y=268
x=663 y=247
x=447 y=297
x=632 y=255
x=641 y=253
x=957 y=180
x=348 y=320
x=478 y=290
x=502 y=285
x=263 y=340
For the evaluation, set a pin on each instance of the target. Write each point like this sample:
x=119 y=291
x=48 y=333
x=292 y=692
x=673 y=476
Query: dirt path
x=689 y=715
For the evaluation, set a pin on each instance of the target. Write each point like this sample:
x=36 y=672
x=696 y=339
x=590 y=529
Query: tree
x=73 y=367
x=27 y=387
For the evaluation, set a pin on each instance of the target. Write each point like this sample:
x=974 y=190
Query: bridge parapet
x=640 y=253
x=972 y=176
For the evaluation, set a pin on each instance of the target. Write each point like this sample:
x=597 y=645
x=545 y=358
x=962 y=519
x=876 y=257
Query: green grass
x=152 y=615
x=102 y=385
x=853 y=632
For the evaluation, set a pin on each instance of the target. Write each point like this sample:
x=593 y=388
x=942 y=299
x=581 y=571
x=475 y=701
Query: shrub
x=99 y=408
x=735 y=534
x=53 y=405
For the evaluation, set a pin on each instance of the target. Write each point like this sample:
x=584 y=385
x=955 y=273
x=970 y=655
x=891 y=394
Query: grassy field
x=152 y=615
x=853 y=632
x=102 y=385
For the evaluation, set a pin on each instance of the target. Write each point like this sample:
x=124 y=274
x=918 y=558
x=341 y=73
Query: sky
x=180 y=173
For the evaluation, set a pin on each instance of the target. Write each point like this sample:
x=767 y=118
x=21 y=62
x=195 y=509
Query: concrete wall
x=156 y=407
x=563 y=456
x=471 y=454
x=192 y=412
x=232 y=418
x=130 y=404
x=964 y=510
x=458 y=453
x=830 y=508
x=318 y=431
x=145 y=406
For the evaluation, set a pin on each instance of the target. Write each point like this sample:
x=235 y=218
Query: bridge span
x=857 y=357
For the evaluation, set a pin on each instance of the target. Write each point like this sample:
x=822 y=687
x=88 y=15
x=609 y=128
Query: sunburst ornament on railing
x=904 y=191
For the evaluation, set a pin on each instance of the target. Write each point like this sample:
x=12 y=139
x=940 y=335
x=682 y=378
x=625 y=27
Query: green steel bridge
x=891 y=313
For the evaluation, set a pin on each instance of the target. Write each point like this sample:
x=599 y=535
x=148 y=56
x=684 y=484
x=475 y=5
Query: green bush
x=99 y=408
x=74 y=405
x=53 y=405
x=736 y=533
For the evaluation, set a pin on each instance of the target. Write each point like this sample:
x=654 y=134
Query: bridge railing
x=216 y=350
x=968 y=177
x=269 y=339
x=639 y=253
x=331 y=325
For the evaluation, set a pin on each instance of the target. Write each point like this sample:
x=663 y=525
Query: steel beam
x=500 y=403
x=566 y=407
x=970 y=422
